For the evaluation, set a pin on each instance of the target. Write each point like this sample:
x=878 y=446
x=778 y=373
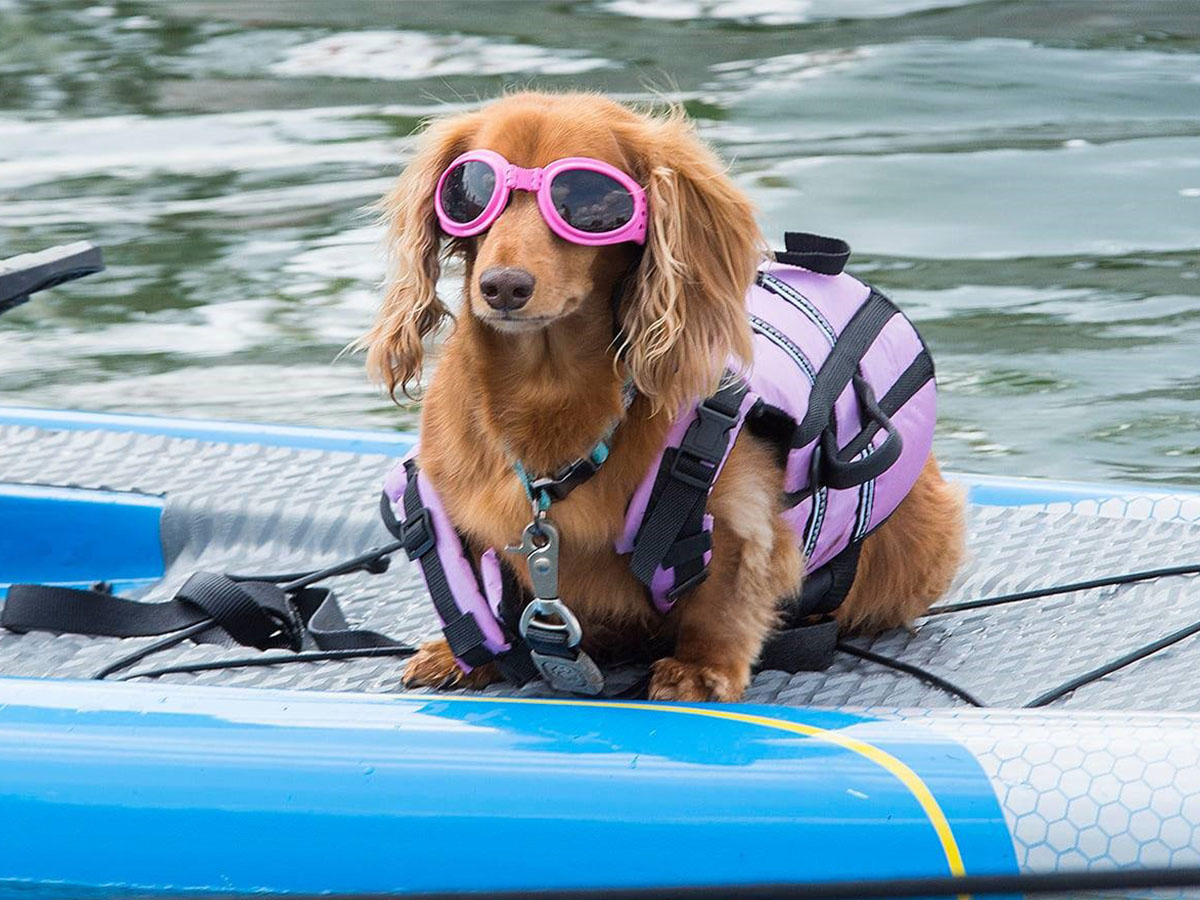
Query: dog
x=549 y=333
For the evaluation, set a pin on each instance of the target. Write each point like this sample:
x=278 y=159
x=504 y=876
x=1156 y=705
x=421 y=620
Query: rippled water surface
x=1023 y=177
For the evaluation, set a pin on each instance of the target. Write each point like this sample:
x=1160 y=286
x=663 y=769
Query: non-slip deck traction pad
x=249 y=508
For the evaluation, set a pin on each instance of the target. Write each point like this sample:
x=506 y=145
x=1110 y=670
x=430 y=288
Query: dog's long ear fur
x=685 y=314
x=411 y=307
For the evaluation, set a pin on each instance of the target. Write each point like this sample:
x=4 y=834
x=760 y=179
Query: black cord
x=1106 y=581
x=246 y=662
x=1067 y=687
x=1108 y=668
x=138 y=655
x=271 y=579
x=375 y=560
x=910 y=669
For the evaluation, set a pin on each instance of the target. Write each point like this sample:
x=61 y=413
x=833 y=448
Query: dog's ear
x=684 y=316
x=411 y=308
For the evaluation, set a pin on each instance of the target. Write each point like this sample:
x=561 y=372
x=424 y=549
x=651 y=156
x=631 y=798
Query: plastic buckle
x=417 y=534
x=565 y=479
x=704 y=442
x=291 y=629
x=708 y=436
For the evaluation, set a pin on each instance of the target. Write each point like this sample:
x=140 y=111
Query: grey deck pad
x=251 y=508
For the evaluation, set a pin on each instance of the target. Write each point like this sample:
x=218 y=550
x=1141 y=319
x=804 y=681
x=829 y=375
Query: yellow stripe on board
x=907 y=777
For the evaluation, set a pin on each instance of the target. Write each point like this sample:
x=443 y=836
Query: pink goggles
x=583 y=200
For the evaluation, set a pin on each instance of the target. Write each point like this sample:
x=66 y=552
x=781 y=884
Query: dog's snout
x=506 y=288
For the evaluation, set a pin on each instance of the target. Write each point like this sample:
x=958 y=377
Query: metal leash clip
x=547 y=626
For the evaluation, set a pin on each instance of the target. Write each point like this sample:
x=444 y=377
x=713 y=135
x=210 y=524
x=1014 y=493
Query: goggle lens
x=467 y=190
x=591 y=201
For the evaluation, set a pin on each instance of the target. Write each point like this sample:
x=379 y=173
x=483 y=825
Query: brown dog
x=541 y=382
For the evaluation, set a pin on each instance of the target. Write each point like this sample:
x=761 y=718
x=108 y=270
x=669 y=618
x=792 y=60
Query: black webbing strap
x=254 y=613
x=807 y=640
x=325 y=623
x=687 y=549
x=831 y=468
x=514 y=664
x=839 y=469
x=841 y=364
x=823 y=255
x=461 y=630
x=42 y=607
x=825 y=589
x=686 y=556
x=803 y=648
x=681 y=489
x=550 y=641
x=911 y=380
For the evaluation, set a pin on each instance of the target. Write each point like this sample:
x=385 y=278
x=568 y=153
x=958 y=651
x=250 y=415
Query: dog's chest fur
x=487 y=503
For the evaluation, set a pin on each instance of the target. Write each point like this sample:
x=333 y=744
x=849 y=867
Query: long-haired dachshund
x=550 y=331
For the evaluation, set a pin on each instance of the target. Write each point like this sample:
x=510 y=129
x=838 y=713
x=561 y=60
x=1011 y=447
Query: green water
x=1023 y=177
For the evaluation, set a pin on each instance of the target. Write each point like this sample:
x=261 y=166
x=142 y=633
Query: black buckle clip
x=566 y=479
x=704 y=444
x=417 y=534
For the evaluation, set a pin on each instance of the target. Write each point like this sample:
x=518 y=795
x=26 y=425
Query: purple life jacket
x=841 y=384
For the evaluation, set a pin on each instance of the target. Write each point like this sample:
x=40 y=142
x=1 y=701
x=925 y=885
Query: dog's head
x=680 y=296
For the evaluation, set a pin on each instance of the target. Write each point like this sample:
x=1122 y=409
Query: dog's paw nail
x=431 y=666
x=690 y=682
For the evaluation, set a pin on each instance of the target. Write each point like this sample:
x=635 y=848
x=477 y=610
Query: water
x=1023 y=177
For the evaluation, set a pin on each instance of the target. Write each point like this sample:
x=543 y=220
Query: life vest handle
x=840 y=471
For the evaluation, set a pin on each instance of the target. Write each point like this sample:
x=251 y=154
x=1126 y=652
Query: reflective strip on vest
x=798 y=317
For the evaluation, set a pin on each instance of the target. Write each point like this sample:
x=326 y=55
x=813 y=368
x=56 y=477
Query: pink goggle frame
x=509 y=178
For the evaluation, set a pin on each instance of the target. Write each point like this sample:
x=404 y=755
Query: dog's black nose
x=506 y=288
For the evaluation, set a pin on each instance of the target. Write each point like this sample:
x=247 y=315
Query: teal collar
x=546 y=490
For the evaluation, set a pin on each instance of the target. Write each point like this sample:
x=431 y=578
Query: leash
x=547 y=626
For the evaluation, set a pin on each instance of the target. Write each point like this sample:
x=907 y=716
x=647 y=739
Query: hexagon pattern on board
x=1088 y=790
x=1163 y=507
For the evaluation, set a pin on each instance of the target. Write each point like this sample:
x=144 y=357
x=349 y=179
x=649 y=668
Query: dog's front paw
x=435 y=666
x=672 y=679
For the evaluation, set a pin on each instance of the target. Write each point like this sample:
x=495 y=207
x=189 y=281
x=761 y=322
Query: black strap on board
x=807 y=639
x=808 y=647
x=254 y=613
